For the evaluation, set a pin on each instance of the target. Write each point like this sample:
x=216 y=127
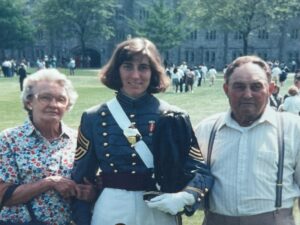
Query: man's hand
x=86 y=191
x=172 y=202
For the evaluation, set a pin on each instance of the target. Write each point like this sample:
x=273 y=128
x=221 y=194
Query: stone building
x=211 y=47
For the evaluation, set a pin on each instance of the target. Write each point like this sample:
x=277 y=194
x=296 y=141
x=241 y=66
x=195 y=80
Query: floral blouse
x=26 y=157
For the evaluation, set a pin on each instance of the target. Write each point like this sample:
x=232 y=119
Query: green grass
x=203 y=102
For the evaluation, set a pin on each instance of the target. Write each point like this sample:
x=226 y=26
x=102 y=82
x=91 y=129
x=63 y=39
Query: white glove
x=171 y=202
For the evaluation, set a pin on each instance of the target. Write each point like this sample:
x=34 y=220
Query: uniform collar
x=127 y=101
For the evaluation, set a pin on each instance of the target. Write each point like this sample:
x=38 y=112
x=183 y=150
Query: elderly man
x=253 y=185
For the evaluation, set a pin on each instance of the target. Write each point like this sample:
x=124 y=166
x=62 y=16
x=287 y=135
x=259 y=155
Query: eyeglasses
x=47 y=99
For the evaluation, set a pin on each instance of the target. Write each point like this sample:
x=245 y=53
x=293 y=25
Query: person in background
x=189 y=79
x=22 y=75
x=297 y=79
x=275 y=98
x=292 y=102
x=135 y=72
x=36 y=158
x=283 y=75
x=175 y=76
x=244 y=158
x=204 y=72
x=72 y=66
x=212 y=74
x=276 y=71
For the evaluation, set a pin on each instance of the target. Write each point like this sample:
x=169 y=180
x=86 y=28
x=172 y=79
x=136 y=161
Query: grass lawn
x=203 y=102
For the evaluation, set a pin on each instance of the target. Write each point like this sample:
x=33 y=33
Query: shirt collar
x=29 y=129
x=269 y=116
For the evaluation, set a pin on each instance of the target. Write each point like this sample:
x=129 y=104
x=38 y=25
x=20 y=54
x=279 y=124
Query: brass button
x=105 y=144
x=133 y=172
x=199 y=199
x=131 y=115
x=104 y=124
x=115 y=171
x=104 y=134
x=202 y=195
x=111 y=164
x=134 y=163
x=133 y=155
x=103 y=113
x=206 y=189
x=107 y=155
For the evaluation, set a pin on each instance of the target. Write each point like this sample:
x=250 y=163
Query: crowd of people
x=289 y=102
x=184 y=78
x=136 y=159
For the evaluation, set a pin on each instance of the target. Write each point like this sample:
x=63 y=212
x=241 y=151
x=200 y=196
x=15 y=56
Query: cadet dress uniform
x=102 y=145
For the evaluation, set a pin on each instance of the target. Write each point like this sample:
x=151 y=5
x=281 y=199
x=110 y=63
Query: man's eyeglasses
x=47 y=99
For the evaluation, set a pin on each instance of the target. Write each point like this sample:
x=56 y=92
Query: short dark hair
x=247 y=59
x=126 y=51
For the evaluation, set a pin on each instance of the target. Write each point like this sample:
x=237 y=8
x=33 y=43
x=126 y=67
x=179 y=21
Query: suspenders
x=280 y=140
x=280 y=161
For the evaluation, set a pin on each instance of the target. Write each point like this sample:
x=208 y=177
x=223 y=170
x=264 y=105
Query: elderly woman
x=118 y=138
x=37 y=157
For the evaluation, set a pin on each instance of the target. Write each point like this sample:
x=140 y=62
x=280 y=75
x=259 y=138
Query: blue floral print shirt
x=26 y=157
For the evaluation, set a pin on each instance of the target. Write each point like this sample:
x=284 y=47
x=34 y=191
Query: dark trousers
x=279 y=217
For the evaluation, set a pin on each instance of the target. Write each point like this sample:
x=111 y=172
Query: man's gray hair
x=47 y=75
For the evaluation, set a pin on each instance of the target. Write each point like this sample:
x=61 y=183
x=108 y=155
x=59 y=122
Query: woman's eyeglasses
x=47 y=99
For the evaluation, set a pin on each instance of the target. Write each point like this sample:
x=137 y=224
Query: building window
x=294 y=55
x=263 y=55
x=120 y=35
x=207 y=57
x=167 y=55
x=236 y=54
x=238 y=35
x=143 y=14
x=263 y=34
x=295 y=34
x=40 y=35
x=186 y=53
x=189 y=55
x=211 y=35
x=193 y=35
x=120 y=14
x=39 y=53
x=210 y=57
x=213 y=57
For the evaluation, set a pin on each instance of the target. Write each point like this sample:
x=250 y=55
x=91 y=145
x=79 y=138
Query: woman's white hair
x=47 y=75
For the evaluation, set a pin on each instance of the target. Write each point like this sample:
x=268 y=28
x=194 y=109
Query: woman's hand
x=64 y=186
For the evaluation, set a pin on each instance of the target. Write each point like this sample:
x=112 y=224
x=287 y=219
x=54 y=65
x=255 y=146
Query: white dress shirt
x=244 y=163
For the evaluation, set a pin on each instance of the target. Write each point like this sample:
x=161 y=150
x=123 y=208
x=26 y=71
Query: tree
x=83 y=20
x=283 y=11
x=16 y=28
x=242 y=16
x=164 y=25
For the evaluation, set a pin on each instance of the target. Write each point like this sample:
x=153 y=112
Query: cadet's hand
x=86 y=191
x=171 y=202
x=64 y=186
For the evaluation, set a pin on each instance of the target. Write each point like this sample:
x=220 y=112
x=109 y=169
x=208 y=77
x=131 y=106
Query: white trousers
x=128 y=207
